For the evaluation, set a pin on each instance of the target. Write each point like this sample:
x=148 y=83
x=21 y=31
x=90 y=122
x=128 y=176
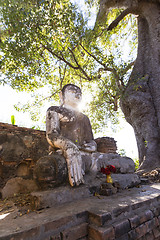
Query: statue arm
x=89 y=146
x=52 y=126
x=70 y=150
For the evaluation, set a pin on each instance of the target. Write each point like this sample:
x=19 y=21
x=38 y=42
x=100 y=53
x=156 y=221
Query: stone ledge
x=55 y=221
x=59 y=196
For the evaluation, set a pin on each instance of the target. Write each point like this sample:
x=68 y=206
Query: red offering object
x=108 y=169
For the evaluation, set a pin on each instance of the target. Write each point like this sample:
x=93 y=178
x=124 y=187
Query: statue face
x=72 y=96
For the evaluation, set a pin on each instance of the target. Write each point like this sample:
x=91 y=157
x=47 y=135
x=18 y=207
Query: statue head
x=71 y=96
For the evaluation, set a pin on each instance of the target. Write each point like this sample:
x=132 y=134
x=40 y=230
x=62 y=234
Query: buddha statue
x=70 y=131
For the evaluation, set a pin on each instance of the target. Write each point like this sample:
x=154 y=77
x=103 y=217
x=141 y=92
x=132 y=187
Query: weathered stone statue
x=70 y=130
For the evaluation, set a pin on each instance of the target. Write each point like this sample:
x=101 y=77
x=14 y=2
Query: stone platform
x=130 y=214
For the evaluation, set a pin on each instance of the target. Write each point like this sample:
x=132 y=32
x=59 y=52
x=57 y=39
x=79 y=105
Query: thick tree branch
x=91 y=55
x=128 y=67
x=79 y=66
x=105 y=67
x=59 y=57
x=124 y=71
x=119 y=18
x=127 y=11
x=62 y=77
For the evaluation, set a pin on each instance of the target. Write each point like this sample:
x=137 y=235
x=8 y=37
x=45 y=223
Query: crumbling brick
x=76 y=232
x=121 y=227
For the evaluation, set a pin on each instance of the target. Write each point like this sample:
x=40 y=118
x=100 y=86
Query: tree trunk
x=141 y=100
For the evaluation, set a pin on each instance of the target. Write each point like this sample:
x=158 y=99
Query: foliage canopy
x=50 y=43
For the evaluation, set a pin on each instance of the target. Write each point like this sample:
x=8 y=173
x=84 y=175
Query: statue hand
x=89 y=147
x=74 y=164
x=73 y=158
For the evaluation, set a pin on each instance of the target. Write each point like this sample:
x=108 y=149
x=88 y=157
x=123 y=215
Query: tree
x=49 y=42
x=140 y=100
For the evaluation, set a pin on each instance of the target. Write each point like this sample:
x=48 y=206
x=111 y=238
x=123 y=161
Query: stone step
x=99 y=219
x=99 y=233
x=131 y=214
x=132 y=223
x=144 y=226
x=59 y=196
x=66 y=194
x=67 y=227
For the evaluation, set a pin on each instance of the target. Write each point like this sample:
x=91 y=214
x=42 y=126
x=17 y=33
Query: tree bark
x=141 y=100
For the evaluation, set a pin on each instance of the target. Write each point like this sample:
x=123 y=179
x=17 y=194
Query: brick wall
x=134 y=222
x=137 y=221
x=67 y=228
x=106 y=145
x=20 y=148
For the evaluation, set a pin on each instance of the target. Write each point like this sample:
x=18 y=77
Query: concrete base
x=129 y=214
x=66 y=194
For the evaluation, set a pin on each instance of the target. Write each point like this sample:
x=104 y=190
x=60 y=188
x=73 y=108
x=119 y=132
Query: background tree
x=49 y=43
x=140 y=100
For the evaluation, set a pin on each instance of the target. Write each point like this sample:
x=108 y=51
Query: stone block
x=137 y=205
x=106 y=145
x=151 y=224
x=124 y=237
x=147 y=215
x=126 y=180
x=59 y=196
x=98 y=233
x=121 y=227
x=156 y=211
x=54 y=225
x=81 y=217
x=156 y=222
x=149 y=236
x=100 y=219
x=120 y=210
x=132 y=234
x=122 y=164
x=105 y=186
x=18 y=185
x=141 y=230
x=134 y=221
x=33 y=233
x=57 y=237
x=156 y=232
x=50 y=171
x=76 y=232
x=105 y=192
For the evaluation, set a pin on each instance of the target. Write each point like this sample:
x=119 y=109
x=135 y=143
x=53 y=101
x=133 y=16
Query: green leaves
x=13 y=120
x=49 y=43
x=38 y=34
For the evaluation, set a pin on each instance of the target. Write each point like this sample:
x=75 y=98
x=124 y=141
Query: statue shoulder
x=84 y=116
x=53 y=109
x=63 y=113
